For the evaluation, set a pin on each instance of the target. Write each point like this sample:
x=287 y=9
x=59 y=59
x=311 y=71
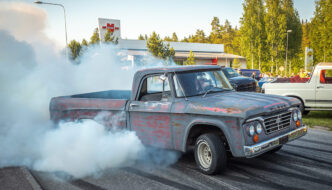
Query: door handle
x=320 y=86
x=134 y=105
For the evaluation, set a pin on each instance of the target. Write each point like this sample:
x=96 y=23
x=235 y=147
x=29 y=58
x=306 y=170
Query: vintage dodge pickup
x=192 y=108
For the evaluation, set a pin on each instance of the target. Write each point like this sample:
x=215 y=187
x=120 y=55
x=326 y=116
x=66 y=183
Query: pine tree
x=228 y=37
x=75 y=49
x=305 y=36
x=110 y=38
x=167 y=39
x=157 y=47
x=190 y=60
x=174 y=37
x=84 y=42
x=199 y=37
x=216 y=31
x=95 y=37
x=141 y=37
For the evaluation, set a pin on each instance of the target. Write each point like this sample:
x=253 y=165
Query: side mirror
x=163 y=77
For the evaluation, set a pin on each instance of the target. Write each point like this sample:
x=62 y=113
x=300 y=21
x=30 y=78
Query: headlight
x=299 y=114
x=259 y=128
x=295 y=115
x=251 y=130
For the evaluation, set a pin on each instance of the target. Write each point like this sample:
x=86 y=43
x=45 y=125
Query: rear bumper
x=260 y=148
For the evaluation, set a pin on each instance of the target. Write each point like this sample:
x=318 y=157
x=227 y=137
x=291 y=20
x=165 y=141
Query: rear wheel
x=210 y=154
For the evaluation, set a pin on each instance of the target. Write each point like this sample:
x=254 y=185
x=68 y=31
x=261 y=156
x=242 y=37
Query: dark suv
x=239 y=82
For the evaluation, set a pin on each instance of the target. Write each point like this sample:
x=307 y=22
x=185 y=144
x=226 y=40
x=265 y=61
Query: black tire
x=216 y=161
x=301 y=107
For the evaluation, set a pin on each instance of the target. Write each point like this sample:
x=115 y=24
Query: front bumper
x=260 y=148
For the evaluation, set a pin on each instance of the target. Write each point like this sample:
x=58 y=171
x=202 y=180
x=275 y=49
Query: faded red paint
x=277 y=103
x=224 y=110
x=153 y=129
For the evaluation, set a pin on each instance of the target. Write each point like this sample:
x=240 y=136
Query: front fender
x=230 y=127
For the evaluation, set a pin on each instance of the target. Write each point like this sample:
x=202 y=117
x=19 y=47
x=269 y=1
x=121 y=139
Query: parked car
x=239 y=82
x=192 y=107
x=250 y=72
x=314 y=93
x=264 y=80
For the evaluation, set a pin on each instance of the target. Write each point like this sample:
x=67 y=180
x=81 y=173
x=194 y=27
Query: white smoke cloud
x=87 y=147
x=31 y=73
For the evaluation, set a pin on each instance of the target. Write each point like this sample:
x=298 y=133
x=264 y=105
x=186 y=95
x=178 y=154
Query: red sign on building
x=110 y=27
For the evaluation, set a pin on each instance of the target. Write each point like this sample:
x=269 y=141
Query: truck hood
x=239 y=104
x=241 y=80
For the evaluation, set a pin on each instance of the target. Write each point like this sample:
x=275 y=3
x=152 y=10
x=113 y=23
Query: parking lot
x=302 y=164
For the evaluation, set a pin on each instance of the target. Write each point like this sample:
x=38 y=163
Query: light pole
x=288 y=31
x=64 y=13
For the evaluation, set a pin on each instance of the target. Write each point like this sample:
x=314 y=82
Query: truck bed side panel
x=71 y=109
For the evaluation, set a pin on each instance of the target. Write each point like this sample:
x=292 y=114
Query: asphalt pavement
x=302 y=164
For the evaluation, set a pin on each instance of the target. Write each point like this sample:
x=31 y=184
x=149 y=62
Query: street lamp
x=64 y=13
x=288 y=31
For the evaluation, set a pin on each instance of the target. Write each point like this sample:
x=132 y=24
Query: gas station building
x=204 y=53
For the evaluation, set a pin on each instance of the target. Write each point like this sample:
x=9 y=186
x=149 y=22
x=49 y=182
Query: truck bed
x=87 y=106
x=110 y=94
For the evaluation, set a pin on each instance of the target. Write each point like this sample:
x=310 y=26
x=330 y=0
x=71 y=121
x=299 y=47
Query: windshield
x=230 y=73
x=200 y=83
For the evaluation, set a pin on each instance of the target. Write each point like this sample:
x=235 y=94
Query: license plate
x=283 y=140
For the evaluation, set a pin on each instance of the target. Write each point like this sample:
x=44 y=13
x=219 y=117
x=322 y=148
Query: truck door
x=150 y=112
x=324 y=89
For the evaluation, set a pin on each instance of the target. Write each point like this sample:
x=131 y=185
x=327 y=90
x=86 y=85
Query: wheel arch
x=195 y=129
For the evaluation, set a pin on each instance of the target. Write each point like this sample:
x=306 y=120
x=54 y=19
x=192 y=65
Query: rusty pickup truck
x=192 y=108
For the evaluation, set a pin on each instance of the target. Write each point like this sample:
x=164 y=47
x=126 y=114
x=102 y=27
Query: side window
x=326 y=76
x=155 y=85
x=154 y=88
x=178 y=91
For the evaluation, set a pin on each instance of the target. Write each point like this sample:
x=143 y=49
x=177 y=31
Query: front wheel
x=210 y=154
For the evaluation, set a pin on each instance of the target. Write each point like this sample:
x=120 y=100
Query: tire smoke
x=32 y=71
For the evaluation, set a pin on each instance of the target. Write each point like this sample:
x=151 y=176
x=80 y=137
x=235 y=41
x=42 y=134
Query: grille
x=277 y=122
x=247 y=87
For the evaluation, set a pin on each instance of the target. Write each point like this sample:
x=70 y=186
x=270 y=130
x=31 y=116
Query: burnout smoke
x=32 y=72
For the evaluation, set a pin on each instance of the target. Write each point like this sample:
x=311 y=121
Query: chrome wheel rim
x=204 y=154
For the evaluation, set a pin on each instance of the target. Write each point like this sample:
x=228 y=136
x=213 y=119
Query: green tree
x=95 y=37
x=199 y=37
x=216 y=31
x=190 y=60
x=141 y=37
x=84 y=42
x=236 y=63
x=228 y=34
x=167 y=39
x=174 y=37
x=305 y=35
x=75 y=49
x=252 y=31
x=110 y=38
x=275 y=27
x=158 y=48
x=294 y=37
x=321 y=31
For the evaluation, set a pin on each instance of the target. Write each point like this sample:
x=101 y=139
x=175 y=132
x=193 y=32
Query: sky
x=145 y=16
